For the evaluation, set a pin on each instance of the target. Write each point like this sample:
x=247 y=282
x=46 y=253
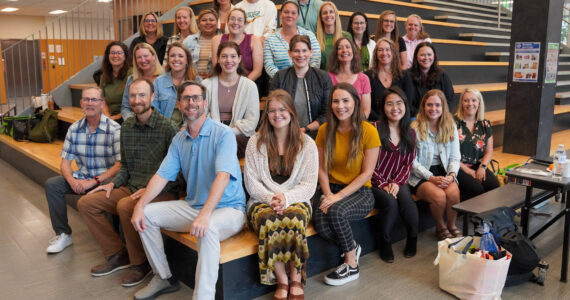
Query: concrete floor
x=27 y=272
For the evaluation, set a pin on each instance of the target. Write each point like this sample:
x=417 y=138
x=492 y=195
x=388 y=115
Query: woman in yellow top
x=348 y=149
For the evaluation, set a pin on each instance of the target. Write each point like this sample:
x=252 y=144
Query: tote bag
x=468 y=276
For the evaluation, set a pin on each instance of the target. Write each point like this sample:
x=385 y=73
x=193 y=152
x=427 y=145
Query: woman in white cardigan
x=233 y=98
x=281 y=171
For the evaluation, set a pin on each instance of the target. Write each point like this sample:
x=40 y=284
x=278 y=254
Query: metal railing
x=67 y=44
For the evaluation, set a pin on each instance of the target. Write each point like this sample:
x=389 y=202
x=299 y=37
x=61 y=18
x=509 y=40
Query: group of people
x=333 y=142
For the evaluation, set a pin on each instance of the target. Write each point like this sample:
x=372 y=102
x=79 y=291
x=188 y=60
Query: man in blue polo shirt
x=214 y=208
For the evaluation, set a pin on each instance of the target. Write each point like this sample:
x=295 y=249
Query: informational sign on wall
x=551 y=63
x=526 y=62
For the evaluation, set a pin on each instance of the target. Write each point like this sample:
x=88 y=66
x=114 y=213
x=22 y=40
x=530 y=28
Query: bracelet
x=452 y=175
x=97 y=180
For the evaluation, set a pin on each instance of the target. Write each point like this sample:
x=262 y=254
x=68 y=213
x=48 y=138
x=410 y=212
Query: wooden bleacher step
x=508 y=30
x=458 y=18
x=473 y=63
x=483 y=35
x=471 y=6
x=563 y=83
x=482 y=87
x=469 y=43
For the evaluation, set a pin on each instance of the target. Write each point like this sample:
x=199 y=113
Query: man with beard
x=94 y=143
x=205 y=152
x=145 y=139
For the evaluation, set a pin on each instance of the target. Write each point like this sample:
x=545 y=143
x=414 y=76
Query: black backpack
x=525 y=255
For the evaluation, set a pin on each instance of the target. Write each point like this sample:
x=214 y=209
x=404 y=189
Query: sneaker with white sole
x=58 y=243
x=342 y=275
x=156 y=287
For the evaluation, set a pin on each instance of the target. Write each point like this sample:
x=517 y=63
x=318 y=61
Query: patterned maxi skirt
x=281 y=238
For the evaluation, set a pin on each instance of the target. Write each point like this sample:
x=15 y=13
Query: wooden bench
x=509 y=195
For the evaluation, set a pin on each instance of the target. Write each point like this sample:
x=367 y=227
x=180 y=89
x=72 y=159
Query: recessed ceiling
x=39 y=7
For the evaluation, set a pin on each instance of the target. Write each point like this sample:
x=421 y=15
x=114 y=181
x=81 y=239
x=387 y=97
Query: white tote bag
x=468 y=276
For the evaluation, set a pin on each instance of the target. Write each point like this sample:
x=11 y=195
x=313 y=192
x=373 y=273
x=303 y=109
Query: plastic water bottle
x=559 y=159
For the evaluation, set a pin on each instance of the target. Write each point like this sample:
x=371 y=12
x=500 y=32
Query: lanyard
x=304 y=16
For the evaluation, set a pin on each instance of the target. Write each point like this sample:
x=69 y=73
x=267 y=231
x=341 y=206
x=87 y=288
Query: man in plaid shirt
x=94 y=143
x=145 y=139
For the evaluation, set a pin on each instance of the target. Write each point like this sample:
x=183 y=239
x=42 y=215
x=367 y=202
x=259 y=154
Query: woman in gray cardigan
x=233 y=98
x=280 y=174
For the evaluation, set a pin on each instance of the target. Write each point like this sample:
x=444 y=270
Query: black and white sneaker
x=357 y=252
x=342 y=275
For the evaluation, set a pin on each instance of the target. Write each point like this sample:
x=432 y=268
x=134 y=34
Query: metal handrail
x=48 y=57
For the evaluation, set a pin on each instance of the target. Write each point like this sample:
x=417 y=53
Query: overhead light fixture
x=104 y=1
x=9 y=9
x=57 y=12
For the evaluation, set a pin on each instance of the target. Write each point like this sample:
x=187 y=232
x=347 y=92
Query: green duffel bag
x=46 y=130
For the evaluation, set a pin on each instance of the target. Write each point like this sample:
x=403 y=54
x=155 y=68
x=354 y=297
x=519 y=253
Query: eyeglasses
x=194 y=98
x=91 y=100
x=116 y=53
x=238 y=20
x=358 y=23
x=150 y=20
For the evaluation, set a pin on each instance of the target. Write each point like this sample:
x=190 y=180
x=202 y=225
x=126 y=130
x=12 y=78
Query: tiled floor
x=26 y=272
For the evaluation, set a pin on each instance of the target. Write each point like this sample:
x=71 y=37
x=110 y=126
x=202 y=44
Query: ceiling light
x=57 y=12
x=104 y=1
x=9 y=9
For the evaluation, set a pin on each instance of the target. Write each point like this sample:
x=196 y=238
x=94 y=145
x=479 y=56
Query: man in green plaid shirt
x=145 y=139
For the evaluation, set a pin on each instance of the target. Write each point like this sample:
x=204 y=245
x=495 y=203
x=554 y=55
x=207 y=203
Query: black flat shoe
x=411 y=247
x=386 y=253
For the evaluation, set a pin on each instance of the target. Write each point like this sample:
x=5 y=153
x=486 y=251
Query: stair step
x=562 y=73
x=562 y=95
x=564 y=63
x=497 y=117
x=501 y=54
x=474 y=63
x=563 y=83
x=508 y=30
x=465 y=6
x=449 y=17
x=483 y=35
x=482 y=87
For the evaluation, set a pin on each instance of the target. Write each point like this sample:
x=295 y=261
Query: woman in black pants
x=476 y=145
x=390 y=177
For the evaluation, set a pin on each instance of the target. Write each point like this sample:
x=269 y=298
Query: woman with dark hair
x=249 y=44
x=222 y=8
x=147 y=66
x=435 y=167
x=200 y=43
x=232 y=98
x=345 y=66
x=184 y=25
x=476 y=145
x=426 y=74
x=275 y=55
x=329 y=30
x=387 y=27
x=150 y=32
x=310 y=86
x=390 y=177
x=280 y=175
x=179 y=69
x=116 y=69
x=415 y=34
x=358 y=28
x=385 y=72
x=348 y=150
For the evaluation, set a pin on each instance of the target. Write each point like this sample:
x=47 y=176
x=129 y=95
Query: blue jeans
x=56 y=188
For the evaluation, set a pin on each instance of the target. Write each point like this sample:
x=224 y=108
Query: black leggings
x=390 y=207
x=471 y=187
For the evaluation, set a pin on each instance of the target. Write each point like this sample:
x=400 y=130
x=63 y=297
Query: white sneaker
x=58 y=243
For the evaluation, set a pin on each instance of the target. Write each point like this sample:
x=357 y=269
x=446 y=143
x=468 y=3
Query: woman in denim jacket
x=179 y=69
x=435 y=167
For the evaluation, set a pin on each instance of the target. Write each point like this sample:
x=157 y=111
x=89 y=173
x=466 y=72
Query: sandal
x=284 y=287
x=443 y=233
x=296 y=284
x=456 y=232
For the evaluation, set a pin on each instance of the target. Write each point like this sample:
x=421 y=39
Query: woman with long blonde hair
x=329 y=30
x=147 y=66
x=435 y=167
x=280 y=174
x=387 y=27
x=348 y=150
x=184 y=25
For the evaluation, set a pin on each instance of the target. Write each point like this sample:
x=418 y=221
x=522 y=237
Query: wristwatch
x=484 y=166
x=97 y=179
x=307 y=129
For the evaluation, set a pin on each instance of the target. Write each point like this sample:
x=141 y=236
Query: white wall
x=18 y=27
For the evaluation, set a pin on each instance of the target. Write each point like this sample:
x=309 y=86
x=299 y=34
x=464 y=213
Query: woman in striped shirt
x=390 y=177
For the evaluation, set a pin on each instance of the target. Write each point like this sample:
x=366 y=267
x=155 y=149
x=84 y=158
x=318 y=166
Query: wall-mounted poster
x=551 y=63
x=527 y=55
